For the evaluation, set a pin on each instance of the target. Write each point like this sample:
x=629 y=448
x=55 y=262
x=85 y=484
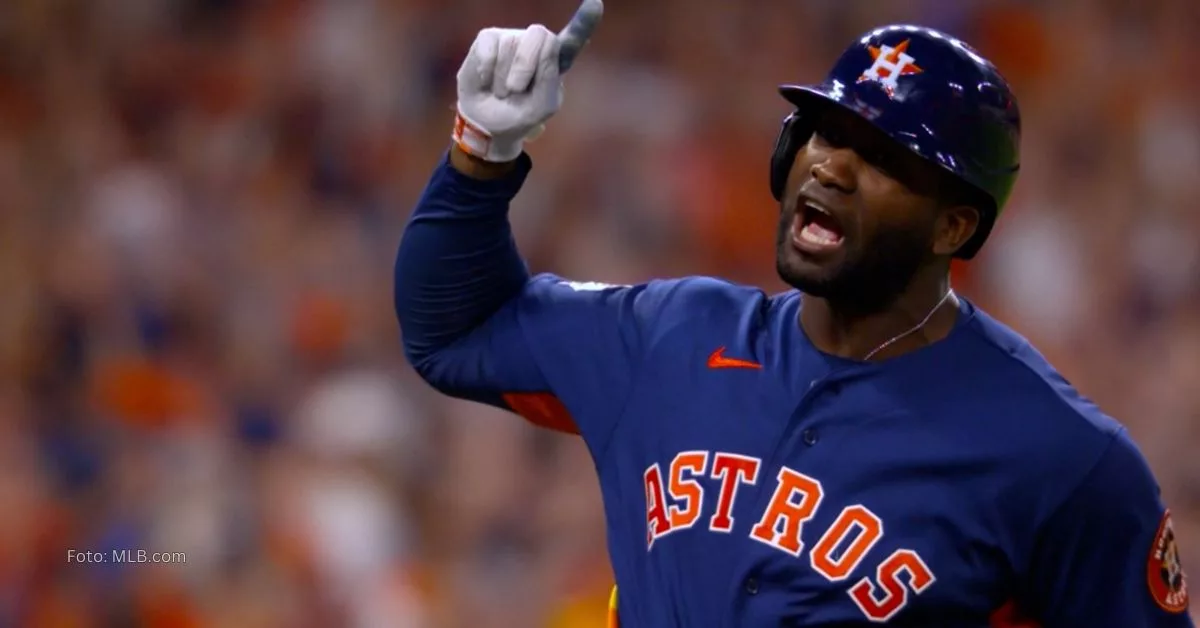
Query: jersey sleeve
x=1108 y=556
x=477 y=326
x=562 y=354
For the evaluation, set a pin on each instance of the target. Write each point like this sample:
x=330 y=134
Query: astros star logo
x=890 y=64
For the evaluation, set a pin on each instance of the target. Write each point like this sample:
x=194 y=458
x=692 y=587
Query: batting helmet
x=928 y=91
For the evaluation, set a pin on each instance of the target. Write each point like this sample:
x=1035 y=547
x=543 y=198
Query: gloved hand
x=510 y=84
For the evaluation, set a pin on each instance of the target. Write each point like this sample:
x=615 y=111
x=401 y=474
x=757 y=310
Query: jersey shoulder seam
x=680 y=283
x=601 y=451
x=1082 y=479
x=1025 y=367
x=1022 y=364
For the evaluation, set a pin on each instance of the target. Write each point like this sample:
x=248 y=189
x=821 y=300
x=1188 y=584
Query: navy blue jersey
x=751 y=480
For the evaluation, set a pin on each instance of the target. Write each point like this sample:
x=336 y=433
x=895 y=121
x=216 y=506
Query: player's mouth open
x=816 y=230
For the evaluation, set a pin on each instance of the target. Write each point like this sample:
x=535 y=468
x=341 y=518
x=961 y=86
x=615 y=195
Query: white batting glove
x=510 y=84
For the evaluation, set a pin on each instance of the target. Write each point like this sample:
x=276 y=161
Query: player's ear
x=955 y=226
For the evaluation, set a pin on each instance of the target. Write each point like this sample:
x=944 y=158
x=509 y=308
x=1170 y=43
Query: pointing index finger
x=578 y=31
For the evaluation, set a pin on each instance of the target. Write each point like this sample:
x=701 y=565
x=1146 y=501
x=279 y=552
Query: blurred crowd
x=199 y=206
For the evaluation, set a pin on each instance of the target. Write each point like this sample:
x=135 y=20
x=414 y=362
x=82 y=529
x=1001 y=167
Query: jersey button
x=751 y=586
x=810 y=437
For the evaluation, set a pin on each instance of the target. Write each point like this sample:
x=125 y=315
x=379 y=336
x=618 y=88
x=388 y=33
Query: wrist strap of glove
x=471 y=139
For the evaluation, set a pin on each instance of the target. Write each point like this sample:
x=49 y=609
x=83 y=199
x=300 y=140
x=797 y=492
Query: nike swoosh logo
x=718 y=361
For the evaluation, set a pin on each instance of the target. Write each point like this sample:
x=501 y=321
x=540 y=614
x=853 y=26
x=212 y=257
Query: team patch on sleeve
x=591 y=286
x=1164 y=571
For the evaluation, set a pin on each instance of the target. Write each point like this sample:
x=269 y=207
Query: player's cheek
x=801 y=167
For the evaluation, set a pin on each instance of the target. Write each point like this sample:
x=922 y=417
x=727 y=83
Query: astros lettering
x=677 y=501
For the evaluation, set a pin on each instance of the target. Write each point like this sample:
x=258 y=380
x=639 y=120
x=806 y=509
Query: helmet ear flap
x=794 y=133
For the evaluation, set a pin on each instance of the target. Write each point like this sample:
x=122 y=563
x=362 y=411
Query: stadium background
x=199 y=204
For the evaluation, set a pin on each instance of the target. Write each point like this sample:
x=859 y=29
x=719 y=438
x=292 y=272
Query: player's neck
x=844 y=332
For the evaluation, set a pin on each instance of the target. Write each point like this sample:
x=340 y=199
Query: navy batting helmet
x=929 y=92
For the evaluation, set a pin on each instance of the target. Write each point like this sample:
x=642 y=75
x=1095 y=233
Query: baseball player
x=868 y=448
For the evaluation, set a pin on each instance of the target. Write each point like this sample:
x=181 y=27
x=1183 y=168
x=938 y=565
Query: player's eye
x=832 y=137
x=883 y=160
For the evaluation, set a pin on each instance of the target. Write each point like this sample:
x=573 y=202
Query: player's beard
x=871 y=274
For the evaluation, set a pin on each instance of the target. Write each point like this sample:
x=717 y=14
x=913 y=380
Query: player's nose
x=836 y=168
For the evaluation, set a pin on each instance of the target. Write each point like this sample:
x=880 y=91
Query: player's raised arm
x=1108 y=557
x=475 y=324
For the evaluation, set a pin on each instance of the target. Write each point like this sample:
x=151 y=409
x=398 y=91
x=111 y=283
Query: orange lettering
x=895 y=595
x=687 y=491
x=732 y=470
x=857 y=522
x=656 y=513
x=784 y=519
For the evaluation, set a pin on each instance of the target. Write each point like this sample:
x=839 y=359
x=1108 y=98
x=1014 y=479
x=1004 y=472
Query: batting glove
x=510 y=84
